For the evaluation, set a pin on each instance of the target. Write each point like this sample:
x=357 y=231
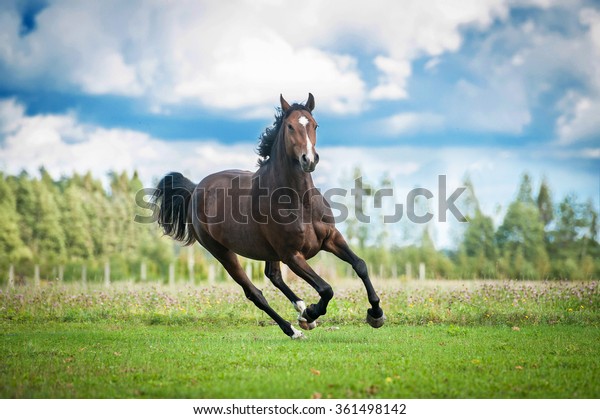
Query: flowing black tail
x=173 y=194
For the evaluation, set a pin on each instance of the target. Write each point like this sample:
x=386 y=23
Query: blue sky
x=412 y=89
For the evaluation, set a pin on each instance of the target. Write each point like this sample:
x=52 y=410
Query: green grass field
x=442 y=340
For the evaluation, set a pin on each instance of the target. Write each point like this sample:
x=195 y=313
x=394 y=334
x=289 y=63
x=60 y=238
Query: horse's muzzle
x=307 y=164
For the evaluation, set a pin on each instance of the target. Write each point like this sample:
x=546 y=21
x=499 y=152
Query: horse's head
x=300 y=133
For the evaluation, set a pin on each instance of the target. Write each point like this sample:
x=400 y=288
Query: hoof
x=375 y=323
x=298 y=335
x=304 y=323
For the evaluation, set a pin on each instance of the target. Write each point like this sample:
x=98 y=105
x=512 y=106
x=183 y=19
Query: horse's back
x=224 y=208
x=225 y=179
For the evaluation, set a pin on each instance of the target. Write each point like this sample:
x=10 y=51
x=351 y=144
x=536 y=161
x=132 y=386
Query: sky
x=409 y=89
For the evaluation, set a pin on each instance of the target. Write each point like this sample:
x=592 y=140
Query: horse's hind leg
x=273 y=272
x=231 y=263
x=338 y=246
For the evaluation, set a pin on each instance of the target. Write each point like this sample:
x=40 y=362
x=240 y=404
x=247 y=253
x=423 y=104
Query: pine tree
x=357 y=229
x=544 y=203
x=525 y=193
x=521 y=235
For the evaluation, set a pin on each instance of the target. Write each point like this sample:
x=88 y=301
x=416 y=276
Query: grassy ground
x=442 y=340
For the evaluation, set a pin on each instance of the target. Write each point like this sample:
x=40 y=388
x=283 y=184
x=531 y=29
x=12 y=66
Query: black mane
x=268 y=137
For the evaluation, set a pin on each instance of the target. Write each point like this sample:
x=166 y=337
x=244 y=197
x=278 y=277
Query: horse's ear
x=284 y=105
x=310 y=103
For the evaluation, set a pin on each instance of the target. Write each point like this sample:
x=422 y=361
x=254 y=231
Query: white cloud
x=432 y=64
x=10 y=113
x=239 y=79
x=510 y=71
x=579 y=120
x=239 y=56
x=392 y=82
x=63 y=145
x=412 y=122
x=591 y=153
x=234 y=55
x=499 y=105
x=579 y=110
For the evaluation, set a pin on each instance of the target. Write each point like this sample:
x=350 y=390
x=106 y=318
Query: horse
x=274 y=214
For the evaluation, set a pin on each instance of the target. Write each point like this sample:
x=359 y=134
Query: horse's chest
x=297 y=237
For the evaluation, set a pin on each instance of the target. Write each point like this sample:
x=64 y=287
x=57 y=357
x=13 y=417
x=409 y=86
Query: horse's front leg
x=273 y=272
x=308 y=315
x=338 y=246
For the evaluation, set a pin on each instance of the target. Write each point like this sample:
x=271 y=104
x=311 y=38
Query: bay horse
x=274 y=214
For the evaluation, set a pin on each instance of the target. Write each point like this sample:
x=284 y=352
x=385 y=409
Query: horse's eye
x=316 y=126
x=290 y=127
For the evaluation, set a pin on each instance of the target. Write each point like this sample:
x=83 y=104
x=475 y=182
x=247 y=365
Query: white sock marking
x=299 y=306
x=297 y=334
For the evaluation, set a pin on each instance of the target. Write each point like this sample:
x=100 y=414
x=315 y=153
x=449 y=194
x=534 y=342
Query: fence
x=212 y=273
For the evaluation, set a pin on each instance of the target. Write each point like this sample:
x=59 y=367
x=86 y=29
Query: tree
x=478 y=248
x=48 y=236
x=525 y=193
x=572 y=244
x=570 y=223
x=544 y=203
x=78 y=239
x=479 y=237
x=356 y=227
x=520 y=238
x=25 y=200
x=592 y=220
x=12 y=247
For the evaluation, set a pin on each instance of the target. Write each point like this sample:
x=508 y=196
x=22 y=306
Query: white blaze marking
x=310 y=147
x=303 y=121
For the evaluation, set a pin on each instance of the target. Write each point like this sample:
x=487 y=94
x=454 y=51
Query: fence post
x=84 y=275
x=249 y=270
x=171 y=274
x=421 y=271
x=394 y=271
x=191 y=262
x=61 y=273
x=11 y=276
x=143 y=271
x=36 y=275
x=211 y=273
x=408 y=271
x=107 y=274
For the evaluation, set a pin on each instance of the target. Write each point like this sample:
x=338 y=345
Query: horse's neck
x=283 y=174
x=286 y=176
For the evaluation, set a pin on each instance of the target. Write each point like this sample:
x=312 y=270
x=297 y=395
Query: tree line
x=63 y=227
x=66 y=225
x=537 y=238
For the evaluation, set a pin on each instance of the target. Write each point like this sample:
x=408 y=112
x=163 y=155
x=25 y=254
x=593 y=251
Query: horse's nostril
x=304 y=159
x=316 y=158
